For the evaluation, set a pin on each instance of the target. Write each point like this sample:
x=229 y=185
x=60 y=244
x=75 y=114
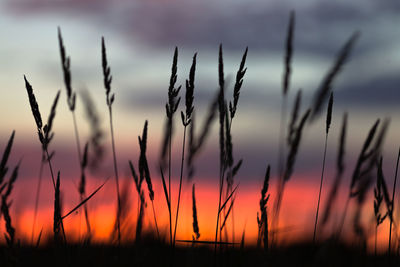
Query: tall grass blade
x=238 y=85
x=263 y=220
x=328 y=123
x=4 y=159
x=393 y=201
x=84 y=201
x=194 y=213
x=110 y=101
x=326 y=84
x=340 y=167
x=96 y=147
x=295 y=115
x=186 y=120
x=288 y=54
x=57 y=212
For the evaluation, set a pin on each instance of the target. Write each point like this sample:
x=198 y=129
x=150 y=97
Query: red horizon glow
x=296 y=219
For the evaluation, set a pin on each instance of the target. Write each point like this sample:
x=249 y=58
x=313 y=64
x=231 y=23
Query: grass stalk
x=155 y=219
x=285 y=87
x=180 y=182
x=71 y=101
x=196 y=230
x=166 y=151
x=42 y=163
x=144 y=170
x=340 y=167
x=281 y=164
x=328 y=124
x=116 y=175
x=367 y=153
x=393 y=196
x=232 y=111
x=110 y=101
x=186 y=120
x=320 y=191
x=169 y=185
x=380 y=193
x=55 y=188
x=222 y=109
x=78 y=143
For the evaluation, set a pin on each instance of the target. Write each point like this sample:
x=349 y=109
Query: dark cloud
x=378 y=93
x=321 y=27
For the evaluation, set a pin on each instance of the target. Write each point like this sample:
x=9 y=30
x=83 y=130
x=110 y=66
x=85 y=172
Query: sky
x=140 y=38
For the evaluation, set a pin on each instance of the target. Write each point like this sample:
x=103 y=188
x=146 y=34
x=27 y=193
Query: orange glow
x=296 y=220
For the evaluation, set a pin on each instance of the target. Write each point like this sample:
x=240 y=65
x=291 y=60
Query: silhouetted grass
x=328 y=124
x=393 y=201
x=110 y=101
x=150 y=248
x=262 y=220
x=186 y=120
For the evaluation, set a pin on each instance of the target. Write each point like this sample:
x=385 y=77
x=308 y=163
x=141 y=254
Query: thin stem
x=169 y=182
x=180 y=182
x=281 y=150
x=155 y=220
x=83 y=197
x=394 y=192
x=221 y=185
x=116 y=176
x=339 y=232
x=233 y=214
x=51 y=169
x=42 y=162
x=78 y=144
x=281 y=163
x=320 y=190
x=276 y=211
x=54 y=185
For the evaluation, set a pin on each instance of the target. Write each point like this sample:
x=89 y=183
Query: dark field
x=156 y=254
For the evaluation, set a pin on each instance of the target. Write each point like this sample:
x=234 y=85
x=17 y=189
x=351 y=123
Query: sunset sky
x=140 y=38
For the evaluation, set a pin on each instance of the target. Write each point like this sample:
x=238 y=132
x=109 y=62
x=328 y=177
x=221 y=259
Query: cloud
x=321 y=27
x=380 y=92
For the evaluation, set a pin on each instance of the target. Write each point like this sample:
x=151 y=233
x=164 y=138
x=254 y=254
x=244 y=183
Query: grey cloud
x=378 y=93
x=381 y=92
x=321 y=28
